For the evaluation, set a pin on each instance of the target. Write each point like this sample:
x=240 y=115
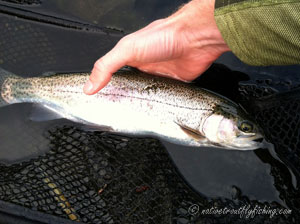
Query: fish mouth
x=253 y=137
x=247 y=142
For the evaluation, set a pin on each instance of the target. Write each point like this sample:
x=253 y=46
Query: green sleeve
x=261 y=32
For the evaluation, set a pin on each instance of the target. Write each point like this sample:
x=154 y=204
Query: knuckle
x=125 y=48
x=123 y=43
x=126 y=42
x=157 y=22
x=99 y=65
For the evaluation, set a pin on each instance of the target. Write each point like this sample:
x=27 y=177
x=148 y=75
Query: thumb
x=104 y=69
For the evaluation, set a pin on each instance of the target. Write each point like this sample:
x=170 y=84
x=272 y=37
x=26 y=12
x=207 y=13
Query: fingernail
x=88 y=87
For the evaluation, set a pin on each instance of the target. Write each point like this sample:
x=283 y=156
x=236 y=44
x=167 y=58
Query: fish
x=140 y=104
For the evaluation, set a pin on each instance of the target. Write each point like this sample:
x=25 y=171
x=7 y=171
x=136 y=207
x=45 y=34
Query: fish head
x=232 y=128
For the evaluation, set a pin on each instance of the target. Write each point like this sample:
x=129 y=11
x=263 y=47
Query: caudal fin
x=3 y=76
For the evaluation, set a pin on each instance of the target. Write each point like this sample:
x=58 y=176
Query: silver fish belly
x=133 y=102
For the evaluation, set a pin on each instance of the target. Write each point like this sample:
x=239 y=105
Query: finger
x=104 y=69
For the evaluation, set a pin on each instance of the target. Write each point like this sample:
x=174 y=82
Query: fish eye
x=246 y=127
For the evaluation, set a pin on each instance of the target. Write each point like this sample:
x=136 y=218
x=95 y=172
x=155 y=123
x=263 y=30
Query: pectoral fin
x=195 y=134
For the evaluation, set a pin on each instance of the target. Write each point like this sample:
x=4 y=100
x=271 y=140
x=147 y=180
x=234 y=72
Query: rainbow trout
x=140 y=104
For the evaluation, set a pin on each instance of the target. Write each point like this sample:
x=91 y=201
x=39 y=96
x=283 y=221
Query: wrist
x=196 y=23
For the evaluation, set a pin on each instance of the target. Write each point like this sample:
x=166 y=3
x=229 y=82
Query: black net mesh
x=101 y=178
x=80 y=176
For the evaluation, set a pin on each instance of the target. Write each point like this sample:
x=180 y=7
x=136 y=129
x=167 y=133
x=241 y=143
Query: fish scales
x=149 y=95
x=133 y=102
x=125 y=85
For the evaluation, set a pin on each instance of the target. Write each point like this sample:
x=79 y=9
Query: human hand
x=181 y=46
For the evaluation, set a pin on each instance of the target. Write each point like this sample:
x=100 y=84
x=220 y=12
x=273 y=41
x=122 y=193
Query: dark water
x=30 y=47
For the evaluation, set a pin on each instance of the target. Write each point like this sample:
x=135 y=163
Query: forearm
x=261 y=32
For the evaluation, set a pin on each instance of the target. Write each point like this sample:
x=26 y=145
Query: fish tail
x=4 y=75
